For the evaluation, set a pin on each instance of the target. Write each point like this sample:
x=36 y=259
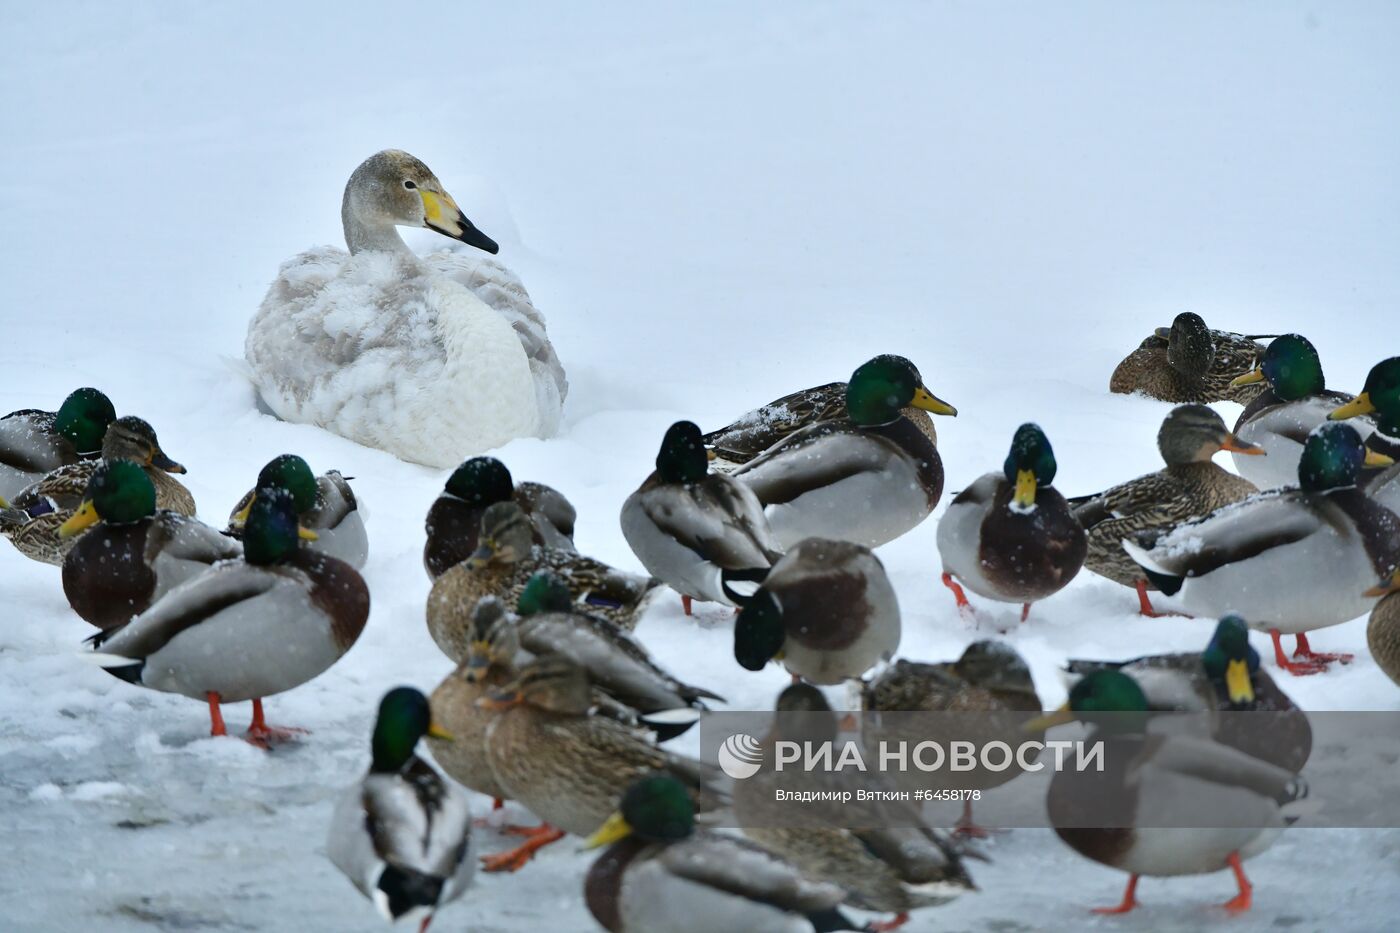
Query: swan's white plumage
x=432 y=358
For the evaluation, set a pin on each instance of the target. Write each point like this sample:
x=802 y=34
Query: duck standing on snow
x=454 y=520
x=1290 y=560
x=245 y=629
x=403 y=834
x=135 y=554
x=429 y=358
x=1189 y=362
x=1280 y=419
x=34 y=517
x=34 y=442
x=1011 y=536
x=1163 y=805
x=325 y=505
x=867 y=477
x=695 y=530
x=1380 y=397
x=1191 y=486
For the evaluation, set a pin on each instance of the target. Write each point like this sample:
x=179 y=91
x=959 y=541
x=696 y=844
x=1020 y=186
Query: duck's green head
x=1109 y=699
x=290 y=472
x=1229 y=659
x=1332 y=457
x=759 y=633
x=1381 y=395
x=884 y=385
x=656 y=808
x=1190 y=348
x=481 y=481
x=119 y=492
x=1030 y=464
x=1291 y=367
x=683 y=457
x=272 y=532
x=404 y=718
x=83 y=418
x=545 y=592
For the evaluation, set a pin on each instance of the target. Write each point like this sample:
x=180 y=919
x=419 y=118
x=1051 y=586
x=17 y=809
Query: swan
x=431 y=358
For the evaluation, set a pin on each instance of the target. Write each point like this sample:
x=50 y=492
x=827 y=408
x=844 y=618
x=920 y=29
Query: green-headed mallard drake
x=695 y=530
x=1192 y=485
x=895 y=870
x=569 y=765
x=1163 y=805
x=245 y=629
x=1383 y=629
x=990 y=677
x=826 y=610
x=867 y=477
x=402 y=835
x=1290 y=560
x=503 y=564
x=662 y=873
x=34 y=442
x=325 y=505
x=756 y=431
x=33 y=518
x=1380 y=397
x=1224 y=678
x=129 y=554
x=454 y=520
x=1189 y=362
x=1011 y=536
x=1279 y=420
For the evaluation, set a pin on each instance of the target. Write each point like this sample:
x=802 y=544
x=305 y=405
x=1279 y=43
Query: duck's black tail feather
x=407 y=889
x=749 y=580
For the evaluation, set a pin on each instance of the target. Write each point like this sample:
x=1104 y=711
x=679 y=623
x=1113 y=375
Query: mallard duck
x=429 y=358
x=34 y=442
x=756 y=431
x=894 y=870
x=503 y=564
x=1296 y=401
x=990 y=677
x=1380 y=397
x=1011 y=536
x=1141 y=509
x=135 y=554
x=1291 y=560
x=867 y=477
x=325 y=505
x=1189 y=362
x=1383 y=629
x=567 y=764
x=403 y=835
x=826 y=610
x=1224 y=678
x=1163 y=805
x=32 y=520
x=245 y=629
x=662 y=873
x=695 y=530
x=454 y=520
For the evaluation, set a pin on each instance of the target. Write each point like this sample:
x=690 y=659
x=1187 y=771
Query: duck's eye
x=409 y=185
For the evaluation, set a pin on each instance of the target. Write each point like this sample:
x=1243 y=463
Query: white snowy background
x=714 y=204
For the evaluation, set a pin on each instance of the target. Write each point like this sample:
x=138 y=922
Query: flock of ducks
x=556 y=705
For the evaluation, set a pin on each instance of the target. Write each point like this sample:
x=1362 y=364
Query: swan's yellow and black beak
x=613 y=829
x=1050 y=720
x=1025 y=488
x=1361 y=405
x=1249 y=378
x=1237 y=682
x=442 y=214
x=931 y=403
x=80 y=521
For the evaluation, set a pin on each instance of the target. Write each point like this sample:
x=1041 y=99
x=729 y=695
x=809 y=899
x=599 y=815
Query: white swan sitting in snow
x=430 y=358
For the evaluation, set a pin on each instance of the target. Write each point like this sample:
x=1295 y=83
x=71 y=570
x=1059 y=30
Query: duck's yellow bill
x=240 y=518
x=4 y=503
x=1248 y=378
x=80 y=521
x=1361 y=405
x=1025 y=488
x=929 y=402
x=1377 y=459
x=614 y=828
x=1385 y=587
x=710 y=454
x=438 y=732
x=1237 y=682
x=1235 y=445
x=306 y=534
x=1050 y=720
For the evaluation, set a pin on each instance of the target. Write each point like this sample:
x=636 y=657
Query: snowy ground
x=714 y=205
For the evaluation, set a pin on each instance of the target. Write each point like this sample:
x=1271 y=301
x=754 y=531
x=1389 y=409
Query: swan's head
x=394 y=189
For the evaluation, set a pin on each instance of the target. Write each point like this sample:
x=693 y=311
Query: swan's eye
x=409 y=185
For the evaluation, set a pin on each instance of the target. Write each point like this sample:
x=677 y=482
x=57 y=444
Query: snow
x=714 y=205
